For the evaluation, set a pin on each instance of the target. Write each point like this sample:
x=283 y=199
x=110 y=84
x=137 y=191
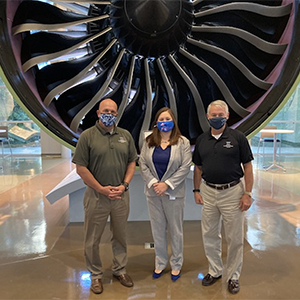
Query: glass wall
x=24 y=134
x=287 y=118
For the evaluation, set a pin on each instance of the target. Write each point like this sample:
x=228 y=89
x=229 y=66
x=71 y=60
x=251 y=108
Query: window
x=24 y=134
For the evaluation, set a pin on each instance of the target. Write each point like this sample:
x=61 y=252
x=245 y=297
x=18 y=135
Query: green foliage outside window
x=24 y=133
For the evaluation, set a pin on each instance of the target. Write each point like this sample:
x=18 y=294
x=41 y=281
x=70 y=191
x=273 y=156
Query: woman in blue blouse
x=165 y=162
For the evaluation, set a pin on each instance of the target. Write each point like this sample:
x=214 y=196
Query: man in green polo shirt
x=105 y=159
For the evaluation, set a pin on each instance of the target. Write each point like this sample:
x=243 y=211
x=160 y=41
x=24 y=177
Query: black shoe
x=233 y=286
x=209 y=280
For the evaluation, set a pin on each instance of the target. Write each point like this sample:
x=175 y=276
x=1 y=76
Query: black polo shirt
x=221 y=159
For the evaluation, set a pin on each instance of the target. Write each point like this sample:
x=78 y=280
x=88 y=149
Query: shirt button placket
x=111 y=146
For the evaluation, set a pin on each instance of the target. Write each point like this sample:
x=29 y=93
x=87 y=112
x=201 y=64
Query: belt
x=222 y=186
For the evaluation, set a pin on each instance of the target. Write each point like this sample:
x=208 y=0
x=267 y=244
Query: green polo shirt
x=105 y=154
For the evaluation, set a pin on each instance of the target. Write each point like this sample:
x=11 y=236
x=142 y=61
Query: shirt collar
x=104 y=132
x=224 y=134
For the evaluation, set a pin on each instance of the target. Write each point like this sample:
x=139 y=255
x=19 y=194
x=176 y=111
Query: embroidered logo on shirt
x=122 y=140
x=228 y=145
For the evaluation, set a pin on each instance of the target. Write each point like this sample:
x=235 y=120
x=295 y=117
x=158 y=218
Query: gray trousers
x=223 y=205
x=97 y=210
x=167 y=215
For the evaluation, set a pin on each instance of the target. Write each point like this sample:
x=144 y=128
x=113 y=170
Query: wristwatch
x=249 y=194
x=126 y=185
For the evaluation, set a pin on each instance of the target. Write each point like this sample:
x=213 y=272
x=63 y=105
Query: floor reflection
x=41 y=255
x=274 y=217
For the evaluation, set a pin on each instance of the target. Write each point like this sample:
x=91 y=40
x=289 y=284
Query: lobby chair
x=4 y=138
x=268 y=137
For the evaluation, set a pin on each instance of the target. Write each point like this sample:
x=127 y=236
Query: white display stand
x=49 y=146
x=73 y=186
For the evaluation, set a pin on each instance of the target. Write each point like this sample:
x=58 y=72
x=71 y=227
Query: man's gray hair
x=219 y=103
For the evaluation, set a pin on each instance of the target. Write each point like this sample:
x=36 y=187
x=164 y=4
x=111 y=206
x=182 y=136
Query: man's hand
x=245 y=202
x=160 y=188
x=198 y=198
x=113 y=192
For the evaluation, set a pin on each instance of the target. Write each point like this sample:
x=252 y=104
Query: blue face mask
x=217 y=122
x=165 y=126
x=108 y=120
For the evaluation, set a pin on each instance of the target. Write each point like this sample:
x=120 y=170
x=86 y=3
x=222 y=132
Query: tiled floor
x=41 y=255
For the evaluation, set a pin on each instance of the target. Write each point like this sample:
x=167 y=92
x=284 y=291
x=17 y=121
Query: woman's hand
x=160 y=188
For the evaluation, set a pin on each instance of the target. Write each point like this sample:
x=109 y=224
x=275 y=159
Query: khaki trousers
x=223 y=205
x=97 y=210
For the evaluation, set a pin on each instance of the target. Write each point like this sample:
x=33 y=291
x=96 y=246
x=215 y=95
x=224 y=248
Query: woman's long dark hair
x=154 y=139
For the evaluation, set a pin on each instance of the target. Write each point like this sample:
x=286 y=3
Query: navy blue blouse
x=161 y=159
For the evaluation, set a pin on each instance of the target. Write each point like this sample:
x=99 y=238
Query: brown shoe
x=96 y=286
x=125 y=280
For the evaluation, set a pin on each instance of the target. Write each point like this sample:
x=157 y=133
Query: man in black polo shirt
x=222 y=156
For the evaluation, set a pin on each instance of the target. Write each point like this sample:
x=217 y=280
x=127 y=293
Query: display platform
x=73 y=186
